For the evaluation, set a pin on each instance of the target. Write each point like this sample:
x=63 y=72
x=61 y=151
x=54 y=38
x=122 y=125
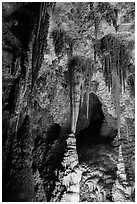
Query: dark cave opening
x=90 y=136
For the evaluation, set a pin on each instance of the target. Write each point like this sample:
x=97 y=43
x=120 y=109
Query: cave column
x=72 y=175
x=121 y=190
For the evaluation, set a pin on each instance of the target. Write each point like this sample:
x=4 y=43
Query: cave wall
x=37 y=168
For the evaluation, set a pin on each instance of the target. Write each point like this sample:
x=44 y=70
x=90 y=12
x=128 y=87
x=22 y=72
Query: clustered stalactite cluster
x=114 y=58
x=115 y=65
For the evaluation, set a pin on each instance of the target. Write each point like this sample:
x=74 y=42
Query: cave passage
x=91 y=136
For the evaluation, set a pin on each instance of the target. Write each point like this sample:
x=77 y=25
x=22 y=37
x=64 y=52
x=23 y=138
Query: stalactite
x=88 y=88
x=87 y=101
x=106 y=71
x=116 y=97
x=82 y=93
x=111 y=68
x=109 y=75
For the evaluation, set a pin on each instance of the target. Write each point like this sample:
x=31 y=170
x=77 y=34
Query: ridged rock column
x=72 y=174
x=121 y=190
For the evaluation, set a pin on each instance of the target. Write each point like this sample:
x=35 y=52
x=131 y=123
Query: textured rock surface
x=21 y=181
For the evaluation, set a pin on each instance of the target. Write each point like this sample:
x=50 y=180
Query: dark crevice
x=90 y=136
